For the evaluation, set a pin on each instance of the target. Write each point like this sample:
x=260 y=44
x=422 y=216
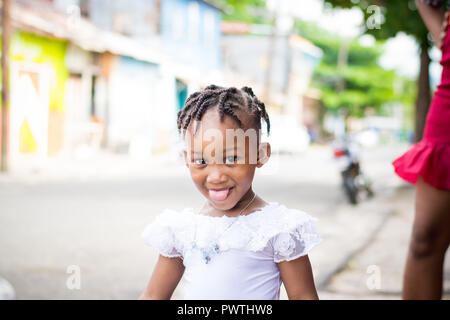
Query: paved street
x=91 y=214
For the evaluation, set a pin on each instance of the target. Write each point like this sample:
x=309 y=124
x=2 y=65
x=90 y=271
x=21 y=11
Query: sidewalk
x=382 y=257
x=349 y=230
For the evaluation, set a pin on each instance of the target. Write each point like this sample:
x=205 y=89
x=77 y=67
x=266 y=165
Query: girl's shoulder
x=164 y=231
x=289 y=232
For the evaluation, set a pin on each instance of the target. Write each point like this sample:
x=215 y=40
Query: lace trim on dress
x=297 y=242
x=161 y=234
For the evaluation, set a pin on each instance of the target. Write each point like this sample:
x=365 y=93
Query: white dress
x=233 y=257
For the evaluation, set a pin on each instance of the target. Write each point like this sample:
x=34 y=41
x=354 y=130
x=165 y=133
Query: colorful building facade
x=37 y=86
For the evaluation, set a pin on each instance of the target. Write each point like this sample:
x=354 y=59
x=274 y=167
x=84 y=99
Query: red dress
x=430 y=157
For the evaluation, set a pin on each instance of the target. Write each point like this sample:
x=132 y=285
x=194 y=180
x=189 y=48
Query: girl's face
x=223 y=169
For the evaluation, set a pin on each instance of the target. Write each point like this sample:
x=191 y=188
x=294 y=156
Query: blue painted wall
x=190 y=30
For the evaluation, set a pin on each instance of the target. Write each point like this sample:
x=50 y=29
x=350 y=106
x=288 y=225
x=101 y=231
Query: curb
x=377 y=221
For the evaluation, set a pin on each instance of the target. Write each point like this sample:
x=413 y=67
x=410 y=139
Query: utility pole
x=270 y=58
x=5 y=82
x=344 y=47
x=282 y=23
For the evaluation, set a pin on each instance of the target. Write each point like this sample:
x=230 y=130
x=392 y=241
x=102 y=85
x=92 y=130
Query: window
x=210 y=28
x=177 y=24
x=193 y=21
x=84 y=8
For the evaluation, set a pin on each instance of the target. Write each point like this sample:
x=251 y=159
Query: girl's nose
x=216 y=175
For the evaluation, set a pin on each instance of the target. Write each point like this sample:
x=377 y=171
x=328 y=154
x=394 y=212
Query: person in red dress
x=427 y=164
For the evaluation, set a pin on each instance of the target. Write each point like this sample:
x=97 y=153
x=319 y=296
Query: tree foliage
x=401 y=16
x=250 y=11
x=398 y=16
x=364 y=83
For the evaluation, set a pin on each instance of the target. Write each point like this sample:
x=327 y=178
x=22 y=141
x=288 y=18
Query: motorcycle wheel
x=351 y=190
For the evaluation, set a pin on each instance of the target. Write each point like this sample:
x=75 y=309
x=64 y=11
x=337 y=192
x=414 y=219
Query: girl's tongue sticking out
x=219 y=194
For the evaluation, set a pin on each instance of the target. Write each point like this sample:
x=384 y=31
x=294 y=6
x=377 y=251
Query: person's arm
x=164 y=280
x=297 y=277
x=433 y=17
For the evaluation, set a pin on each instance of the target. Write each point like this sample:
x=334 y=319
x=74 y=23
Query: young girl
x=427 y=164
x=238 y=246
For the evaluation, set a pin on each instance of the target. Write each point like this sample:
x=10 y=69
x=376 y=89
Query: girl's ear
x=185 y=157
x=264 y=152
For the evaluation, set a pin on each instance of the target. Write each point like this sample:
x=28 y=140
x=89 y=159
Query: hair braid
x=196 y=115
x=227 y=100
x=228 y=108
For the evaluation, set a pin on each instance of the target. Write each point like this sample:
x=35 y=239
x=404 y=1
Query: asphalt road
x=93 y=221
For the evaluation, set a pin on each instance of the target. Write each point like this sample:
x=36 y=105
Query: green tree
x=250 y=11
x=358 y=84
x=400 y=16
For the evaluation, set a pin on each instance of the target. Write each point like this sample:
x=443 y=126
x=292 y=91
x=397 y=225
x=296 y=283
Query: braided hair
x=228 y=101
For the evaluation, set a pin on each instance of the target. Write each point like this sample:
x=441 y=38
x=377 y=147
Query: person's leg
x=429 y=241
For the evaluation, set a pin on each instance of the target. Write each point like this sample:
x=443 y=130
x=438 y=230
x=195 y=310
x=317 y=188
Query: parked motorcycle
x=354 y=182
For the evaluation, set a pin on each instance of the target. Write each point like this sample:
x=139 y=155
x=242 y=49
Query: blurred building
x=86 y=74
x=186 y=32
x=138 y=19
x=191 y=38
x=191 y=34
x=280 y=67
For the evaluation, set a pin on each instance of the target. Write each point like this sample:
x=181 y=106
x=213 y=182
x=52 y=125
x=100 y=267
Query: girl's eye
x=231 y=159
x=199 y=161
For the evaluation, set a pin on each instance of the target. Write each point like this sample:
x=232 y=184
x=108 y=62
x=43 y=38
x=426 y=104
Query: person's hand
x=443 y=31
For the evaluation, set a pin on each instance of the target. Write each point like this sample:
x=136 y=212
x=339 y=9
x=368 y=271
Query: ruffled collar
x=177 y=233
x=251 y=231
